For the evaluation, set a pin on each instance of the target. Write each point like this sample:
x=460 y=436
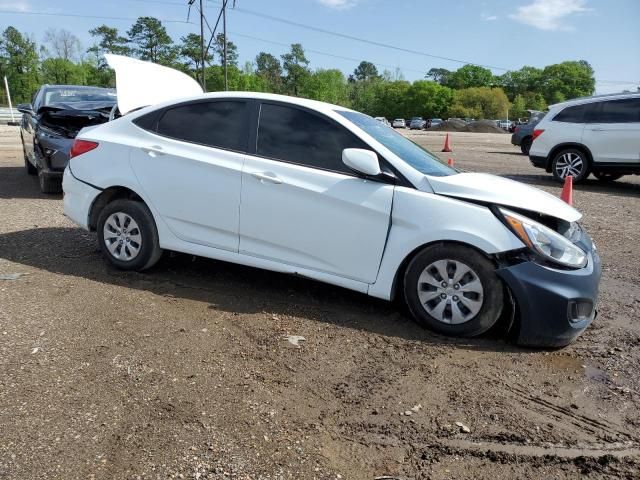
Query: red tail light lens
x=537 y=132
x=516 y=130
x=81 y=146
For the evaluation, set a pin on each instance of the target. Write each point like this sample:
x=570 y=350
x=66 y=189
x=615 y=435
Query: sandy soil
x=185 y=372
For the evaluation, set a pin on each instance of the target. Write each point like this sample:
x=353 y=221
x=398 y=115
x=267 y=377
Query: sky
x=502 y=34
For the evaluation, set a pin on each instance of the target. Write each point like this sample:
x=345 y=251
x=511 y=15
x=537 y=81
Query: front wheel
x=607 y=177
x=454 y=290
x=570 y=162
x=127 y=235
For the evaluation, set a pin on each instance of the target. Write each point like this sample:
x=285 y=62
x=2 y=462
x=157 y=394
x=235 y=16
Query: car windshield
x=411 y=153
x=72 y=95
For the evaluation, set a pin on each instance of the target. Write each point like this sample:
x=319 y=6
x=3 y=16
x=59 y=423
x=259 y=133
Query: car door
x=613 y=131
x=190 y=167
x=29 y=123
x=302 y=206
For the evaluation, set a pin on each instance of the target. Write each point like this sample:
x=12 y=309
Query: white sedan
x=318 y=190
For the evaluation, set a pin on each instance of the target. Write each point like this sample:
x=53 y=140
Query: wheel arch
x=107 y=196
x=562 y=146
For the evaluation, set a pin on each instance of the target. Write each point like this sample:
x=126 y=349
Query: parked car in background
x=383 y=120
x=504 y=124
x=599 y=135
x=330 y=194
x=435 y=122
x=523 y=133
x=51 y=122
x=399 y=123
x=417 y=123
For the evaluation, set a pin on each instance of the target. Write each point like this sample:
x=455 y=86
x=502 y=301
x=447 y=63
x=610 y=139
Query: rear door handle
x=153 y=150
x=267 y=177
x=597 y=129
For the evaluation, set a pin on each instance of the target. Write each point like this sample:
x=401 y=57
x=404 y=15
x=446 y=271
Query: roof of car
x=597 y=98
x=77 y=87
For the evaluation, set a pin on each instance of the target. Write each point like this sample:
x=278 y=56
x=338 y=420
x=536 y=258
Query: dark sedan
x=53 y=120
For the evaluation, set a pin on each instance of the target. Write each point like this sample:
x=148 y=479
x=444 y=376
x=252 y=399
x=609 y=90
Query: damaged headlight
x=542 y=240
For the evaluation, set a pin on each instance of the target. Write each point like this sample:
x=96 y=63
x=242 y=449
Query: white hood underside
x=140 y=84
x=502 y=191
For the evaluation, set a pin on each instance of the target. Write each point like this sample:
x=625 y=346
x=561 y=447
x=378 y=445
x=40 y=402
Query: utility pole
x=224 y=28
x=204 y=81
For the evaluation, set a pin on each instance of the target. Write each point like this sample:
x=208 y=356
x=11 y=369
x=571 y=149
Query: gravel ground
x=186 y=371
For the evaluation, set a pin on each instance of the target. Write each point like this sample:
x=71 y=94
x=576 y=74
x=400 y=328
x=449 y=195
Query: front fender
x=420 y=218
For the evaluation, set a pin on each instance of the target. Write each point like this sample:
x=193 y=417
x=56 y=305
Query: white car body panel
x=141 y=83
x=613 y=142
x=502 y=191
x=321 y=220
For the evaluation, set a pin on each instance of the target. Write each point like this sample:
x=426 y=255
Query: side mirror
x=362 y=161
x=24 y=108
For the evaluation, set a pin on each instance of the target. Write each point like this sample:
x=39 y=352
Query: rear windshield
x=72 y=95
x=412 y=153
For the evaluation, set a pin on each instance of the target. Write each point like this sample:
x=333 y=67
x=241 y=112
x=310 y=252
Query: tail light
x=536 y=133
x=516 y=130
x=81 y=146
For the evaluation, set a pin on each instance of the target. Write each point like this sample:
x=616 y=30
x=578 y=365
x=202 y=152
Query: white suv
x=599 y=135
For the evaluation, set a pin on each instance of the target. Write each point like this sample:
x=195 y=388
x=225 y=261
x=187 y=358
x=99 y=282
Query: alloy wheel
x=450 y=291
x=122 y=236
x=569 y=163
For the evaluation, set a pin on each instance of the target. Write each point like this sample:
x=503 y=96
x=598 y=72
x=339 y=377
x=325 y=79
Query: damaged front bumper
x=553 y=305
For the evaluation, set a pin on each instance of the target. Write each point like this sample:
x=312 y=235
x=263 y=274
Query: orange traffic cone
x=567 y=190
x=450 y=162
x=447 y=147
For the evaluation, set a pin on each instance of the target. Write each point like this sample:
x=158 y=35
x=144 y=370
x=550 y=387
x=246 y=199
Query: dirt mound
x=479 y=126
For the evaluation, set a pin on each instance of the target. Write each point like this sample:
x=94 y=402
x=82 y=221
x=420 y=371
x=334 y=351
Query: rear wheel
x=454 y=290
x=128 y=236
x=570 y=162
x=607 y=177
x=525 y=145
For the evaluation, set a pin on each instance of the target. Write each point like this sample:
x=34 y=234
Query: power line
x=76 y=15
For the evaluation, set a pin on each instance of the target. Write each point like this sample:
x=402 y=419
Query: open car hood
x=140 y=84
x=502 y=191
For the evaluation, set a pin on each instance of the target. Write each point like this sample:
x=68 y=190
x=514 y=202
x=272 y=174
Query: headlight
x=544 y=241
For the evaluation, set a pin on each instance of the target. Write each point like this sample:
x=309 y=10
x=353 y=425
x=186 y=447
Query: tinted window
x=411 y=153
x=573 y=114
x=217 y=124
x=298 y=136
x=618 y=111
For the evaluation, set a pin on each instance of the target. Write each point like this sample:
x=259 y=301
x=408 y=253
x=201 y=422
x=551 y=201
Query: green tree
x=152 y=42
x=327 y=86
x=19 y=62
x=63 y=71
x=191 y=53
x=439 y=75
x=232 y=50
x=480 y=102
x=470 y=76
x=517 y=82
x=535 y=101
x=269 y=69
x=390 y=99
x=519 y=107
x=567 y=80
x=365 y=72
x=296 y=67
x=428 y=99
x=108 y=41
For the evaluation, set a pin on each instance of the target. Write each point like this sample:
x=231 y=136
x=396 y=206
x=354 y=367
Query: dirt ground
x=185 y=371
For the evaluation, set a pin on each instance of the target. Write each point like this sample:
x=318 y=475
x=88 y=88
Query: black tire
x=607 y=177
x=31 y=170
x=493 y=290
x=525 y=145
x=150 y=251
x=561 y=156
x=48 y=183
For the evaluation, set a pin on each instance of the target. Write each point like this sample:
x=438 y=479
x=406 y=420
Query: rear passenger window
x=575 y=114
x=215 y=124
x=298 y=136
x=619 y=111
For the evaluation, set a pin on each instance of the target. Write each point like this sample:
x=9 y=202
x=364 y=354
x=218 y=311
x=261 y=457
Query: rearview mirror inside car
x=362 y=161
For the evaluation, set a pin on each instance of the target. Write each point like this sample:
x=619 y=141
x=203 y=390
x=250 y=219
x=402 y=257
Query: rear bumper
x=515 y=139
x=78 y=198
x=554 y=306
x=539 y=162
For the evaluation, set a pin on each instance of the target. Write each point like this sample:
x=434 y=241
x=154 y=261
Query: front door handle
x=267 y=177
x=153 y=150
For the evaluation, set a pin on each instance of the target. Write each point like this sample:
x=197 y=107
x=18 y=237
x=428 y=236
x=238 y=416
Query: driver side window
x=297 y=136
